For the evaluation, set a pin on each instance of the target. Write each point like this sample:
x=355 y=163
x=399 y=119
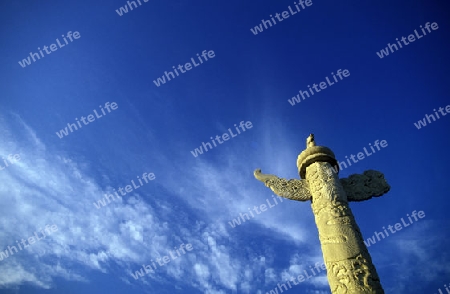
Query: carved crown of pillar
x=312 y=154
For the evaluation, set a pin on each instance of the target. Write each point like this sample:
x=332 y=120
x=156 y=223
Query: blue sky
x=192 y=199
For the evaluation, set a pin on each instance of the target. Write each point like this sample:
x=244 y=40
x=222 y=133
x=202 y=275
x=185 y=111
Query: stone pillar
x=348 y=262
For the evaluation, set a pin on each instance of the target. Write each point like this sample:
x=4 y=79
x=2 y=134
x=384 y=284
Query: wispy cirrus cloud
x=50 y=188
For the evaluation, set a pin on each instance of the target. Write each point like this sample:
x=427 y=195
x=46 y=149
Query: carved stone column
x=348 y=262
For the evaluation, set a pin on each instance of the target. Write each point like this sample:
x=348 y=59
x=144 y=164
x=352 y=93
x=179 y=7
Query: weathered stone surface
x=291 y=189
x=363 y=187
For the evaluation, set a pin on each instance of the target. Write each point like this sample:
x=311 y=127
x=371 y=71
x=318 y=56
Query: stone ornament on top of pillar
x=348 y=262
x=314 y=153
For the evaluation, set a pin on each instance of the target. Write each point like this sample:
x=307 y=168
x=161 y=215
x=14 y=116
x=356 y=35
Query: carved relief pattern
x=292 y=189
x=363 y=187
x=353 y=276
x=350 y=268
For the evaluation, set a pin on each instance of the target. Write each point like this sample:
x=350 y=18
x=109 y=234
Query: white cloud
x=46 y=189
x=49 y=189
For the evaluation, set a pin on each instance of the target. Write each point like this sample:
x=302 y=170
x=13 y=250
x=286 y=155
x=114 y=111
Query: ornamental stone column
x=348 y=262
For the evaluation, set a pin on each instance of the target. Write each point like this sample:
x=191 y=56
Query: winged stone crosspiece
x=291 y=189
x=363 y=187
